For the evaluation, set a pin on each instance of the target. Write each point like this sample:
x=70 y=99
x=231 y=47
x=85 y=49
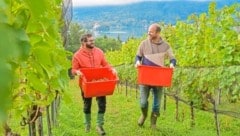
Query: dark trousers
x=87 y=103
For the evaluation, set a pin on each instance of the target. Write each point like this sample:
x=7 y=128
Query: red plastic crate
x=155 y=76
x=92 y=82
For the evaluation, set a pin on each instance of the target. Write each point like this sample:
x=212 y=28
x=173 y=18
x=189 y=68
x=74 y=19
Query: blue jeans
x=157 y=95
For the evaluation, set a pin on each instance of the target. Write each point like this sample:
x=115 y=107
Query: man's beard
x=152 y=38
x=89 y=46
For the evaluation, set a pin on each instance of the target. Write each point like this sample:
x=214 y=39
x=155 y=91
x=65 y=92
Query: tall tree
x=75 y=32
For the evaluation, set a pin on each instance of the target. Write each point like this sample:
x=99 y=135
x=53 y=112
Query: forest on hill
x=132 y=20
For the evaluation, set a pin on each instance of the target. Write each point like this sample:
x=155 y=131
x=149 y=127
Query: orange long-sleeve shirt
x=84 y=58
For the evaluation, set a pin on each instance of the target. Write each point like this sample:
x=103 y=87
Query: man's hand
x=171 y=65
x=78 y=73
x=114 y=71
x=137 y=64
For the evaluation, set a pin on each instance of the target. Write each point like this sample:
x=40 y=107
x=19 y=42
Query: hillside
x=133 y=19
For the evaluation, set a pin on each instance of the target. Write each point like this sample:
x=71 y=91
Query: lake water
x=132 y=20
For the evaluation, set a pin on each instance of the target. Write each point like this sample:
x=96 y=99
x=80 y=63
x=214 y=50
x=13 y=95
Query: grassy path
x=122 y=114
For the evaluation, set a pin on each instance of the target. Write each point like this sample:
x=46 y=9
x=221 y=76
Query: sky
x=111 y=2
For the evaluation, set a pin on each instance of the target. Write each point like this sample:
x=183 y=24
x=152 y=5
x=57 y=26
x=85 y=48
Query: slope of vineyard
x=123 y=112
x=207 y=48
x=34 y=64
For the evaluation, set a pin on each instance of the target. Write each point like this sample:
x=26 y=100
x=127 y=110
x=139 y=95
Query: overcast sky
x=111 y=2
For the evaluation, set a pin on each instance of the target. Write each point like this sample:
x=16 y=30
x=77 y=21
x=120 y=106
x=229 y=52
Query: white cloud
x=101 y=2
x=112 y=2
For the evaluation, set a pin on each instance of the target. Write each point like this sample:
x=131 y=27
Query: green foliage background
x=33 y=62
x=207 y=51
x=75 y=33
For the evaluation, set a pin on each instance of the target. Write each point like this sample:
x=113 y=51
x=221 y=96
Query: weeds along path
x=122 y=114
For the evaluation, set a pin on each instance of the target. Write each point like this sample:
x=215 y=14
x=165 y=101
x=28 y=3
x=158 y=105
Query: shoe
x=100 y=130
x=141 y=120
x=87 y=122
x=143 y=117
x=154 y=117
x=87 y=128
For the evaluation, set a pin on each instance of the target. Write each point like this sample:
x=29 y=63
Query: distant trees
x=76 y=31
x=108 y=44
x=74 y=34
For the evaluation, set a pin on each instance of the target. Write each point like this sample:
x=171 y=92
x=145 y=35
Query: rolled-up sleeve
x=75 y=65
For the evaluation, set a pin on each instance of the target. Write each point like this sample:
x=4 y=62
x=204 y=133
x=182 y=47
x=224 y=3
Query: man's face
x=90 y=43
x=152 y=34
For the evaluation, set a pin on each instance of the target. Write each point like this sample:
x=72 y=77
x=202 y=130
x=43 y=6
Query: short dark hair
x=158 y=28
x=85 y=37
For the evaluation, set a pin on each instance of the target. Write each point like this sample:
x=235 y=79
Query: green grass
x=122 y=114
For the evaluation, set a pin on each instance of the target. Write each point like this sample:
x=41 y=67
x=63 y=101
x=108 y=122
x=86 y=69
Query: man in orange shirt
x=89 y=56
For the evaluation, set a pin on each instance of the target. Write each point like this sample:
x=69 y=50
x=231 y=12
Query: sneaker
x=100 y=130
